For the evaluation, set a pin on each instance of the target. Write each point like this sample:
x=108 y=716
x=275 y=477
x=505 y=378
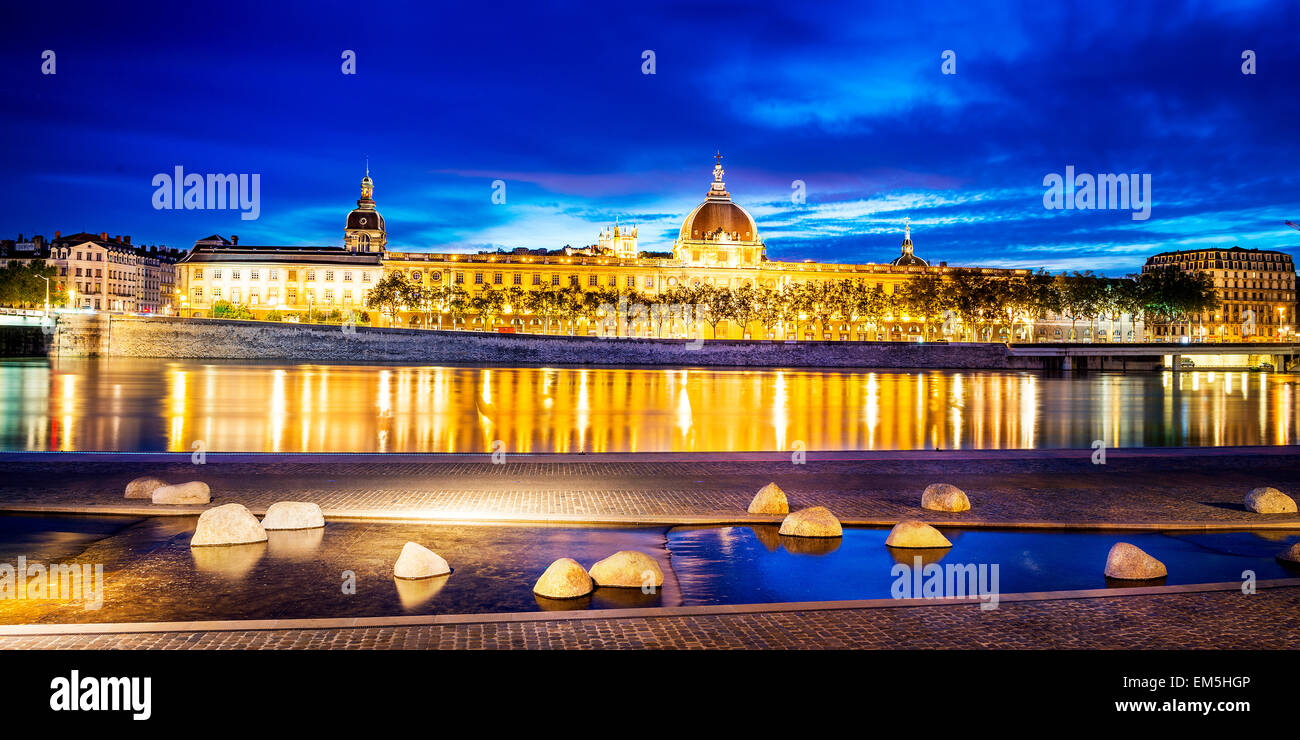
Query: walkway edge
x=668 y=520
x=28 y=630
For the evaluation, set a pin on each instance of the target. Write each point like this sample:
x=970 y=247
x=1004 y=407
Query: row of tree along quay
x=961 y=305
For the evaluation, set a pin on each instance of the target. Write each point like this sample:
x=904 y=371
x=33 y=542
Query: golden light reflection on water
x=166 y=405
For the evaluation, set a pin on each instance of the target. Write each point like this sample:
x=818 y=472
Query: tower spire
x=718 y=189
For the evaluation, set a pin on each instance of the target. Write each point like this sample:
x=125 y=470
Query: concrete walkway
x=1165 y=618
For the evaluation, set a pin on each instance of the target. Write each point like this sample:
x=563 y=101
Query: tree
x=393 y=291
x=742 y=307
x=21 y=285
x=926 y=298
x=488 y=304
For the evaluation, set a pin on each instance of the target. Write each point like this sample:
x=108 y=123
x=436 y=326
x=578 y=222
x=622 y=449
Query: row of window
x=275 y=275
x=273 y=296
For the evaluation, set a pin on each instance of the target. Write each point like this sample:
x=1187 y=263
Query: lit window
x=311 y=275
x=347 y=277
x=329 y=276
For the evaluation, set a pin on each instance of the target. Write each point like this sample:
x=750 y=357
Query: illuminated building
x=719 y=244
x=1255 y=289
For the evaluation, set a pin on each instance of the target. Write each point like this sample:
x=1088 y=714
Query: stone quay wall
x=178 y=338
x=23 y=340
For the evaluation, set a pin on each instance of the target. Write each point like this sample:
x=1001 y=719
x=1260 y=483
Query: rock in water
x=816 y=521
x=915 y=533
x=1292 y=555
x=293 y=515
x=1269 y=500
x=144 y=487
x=564 y=579
x=944 y=497
x=232 y=524
x=418 y=561
x=194 y=492
x=1129 y=562
x=627 y=569
x=770 y=499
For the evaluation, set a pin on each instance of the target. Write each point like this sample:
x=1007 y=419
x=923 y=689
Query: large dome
x=716 y=217
x=363 y=218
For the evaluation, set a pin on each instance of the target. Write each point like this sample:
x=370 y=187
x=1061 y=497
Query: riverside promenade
x=1140 y=489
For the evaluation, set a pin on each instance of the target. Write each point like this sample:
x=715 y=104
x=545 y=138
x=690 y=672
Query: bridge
x=1104 y=355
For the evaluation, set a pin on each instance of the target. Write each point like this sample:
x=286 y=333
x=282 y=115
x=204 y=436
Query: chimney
x=127 y=239
x=56 y=235
x=234 y=239
x=103 y=236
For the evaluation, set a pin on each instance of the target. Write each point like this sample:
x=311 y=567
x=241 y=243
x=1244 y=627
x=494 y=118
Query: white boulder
x=144 y=487
x=418 y=561
x=1129 y=562
x=944 y=497
x=564 y=579
x=231 y=524
x=293 y=515
x=816 y=521
x=770 y=499
x=1269 y=500
x=627 y=569
x=1292 y=555
x=915 y=533
x=194 y=492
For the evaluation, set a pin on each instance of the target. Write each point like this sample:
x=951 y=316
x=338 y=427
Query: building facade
x=1256 y=290
x=103 y=273
x=718 y=244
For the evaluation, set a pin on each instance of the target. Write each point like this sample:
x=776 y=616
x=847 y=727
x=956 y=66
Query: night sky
x=550 y=97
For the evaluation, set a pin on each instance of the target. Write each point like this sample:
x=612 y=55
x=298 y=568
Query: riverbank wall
x=24 y=340
x=176 y=338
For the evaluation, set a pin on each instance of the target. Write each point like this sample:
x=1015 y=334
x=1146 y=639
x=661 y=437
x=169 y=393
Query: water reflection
x=154 y=405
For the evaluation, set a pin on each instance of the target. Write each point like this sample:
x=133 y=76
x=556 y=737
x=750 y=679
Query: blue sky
x=550 y=97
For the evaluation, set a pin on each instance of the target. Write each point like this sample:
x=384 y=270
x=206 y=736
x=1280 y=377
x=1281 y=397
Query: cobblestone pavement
x=1198 y=486
x=1269 y=619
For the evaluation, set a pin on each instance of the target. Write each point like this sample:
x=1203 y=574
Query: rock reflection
x=625 y=598
x=1129 y=583
x=232 y=562
x=294 y=544
x=415 y=593
x=769 y=537
x=812 y=545
x=563 y=605
x=928 y=555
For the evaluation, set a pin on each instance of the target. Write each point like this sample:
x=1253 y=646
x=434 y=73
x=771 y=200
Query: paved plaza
x=1156 y=489
x=1187 y=487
